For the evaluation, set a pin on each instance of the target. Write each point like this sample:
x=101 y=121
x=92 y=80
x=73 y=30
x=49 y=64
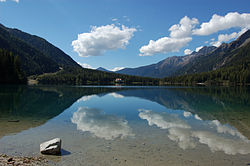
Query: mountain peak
x=243 y=39
x=102 y=69
x=204 y=50
x=244 y=36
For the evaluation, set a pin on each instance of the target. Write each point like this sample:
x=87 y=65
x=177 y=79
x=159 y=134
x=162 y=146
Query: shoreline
x=22 y=160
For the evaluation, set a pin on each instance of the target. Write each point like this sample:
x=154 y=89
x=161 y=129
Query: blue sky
x=113 y=33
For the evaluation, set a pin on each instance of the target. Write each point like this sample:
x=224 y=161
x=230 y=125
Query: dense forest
x=24 y=54
x=10 y=71
x=237 y=72
x=47 y=64
x=73 y=76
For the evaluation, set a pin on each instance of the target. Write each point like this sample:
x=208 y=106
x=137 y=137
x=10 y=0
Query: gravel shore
x=20 y=161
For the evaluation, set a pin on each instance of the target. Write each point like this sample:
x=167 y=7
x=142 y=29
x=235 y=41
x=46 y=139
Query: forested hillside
x=24 y=55
x=32 y=60
x=235 y=72
x=57 y=55
x=93 y=77
x=10 y=71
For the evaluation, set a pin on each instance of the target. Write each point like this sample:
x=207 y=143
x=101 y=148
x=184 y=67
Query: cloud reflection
x=85 y=98
x=187 y=114
x=220 y=143
x=227 y=130
x=101 y=125
x=182 y=137
x=216 y=136
x=162 y=120
x=116 y=95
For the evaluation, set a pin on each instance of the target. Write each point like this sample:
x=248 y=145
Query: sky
x=128 y=33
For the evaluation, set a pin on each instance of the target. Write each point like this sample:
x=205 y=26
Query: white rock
x=51 y=147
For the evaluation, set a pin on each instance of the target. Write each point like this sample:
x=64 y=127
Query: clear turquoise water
x=128 y=125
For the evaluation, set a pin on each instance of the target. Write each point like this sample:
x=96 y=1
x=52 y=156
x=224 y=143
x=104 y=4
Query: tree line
x=10 y=71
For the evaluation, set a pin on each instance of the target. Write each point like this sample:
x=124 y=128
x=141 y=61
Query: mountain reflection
x=24 y=107
x=183 y=131
x=228 y=105
x=101 y=125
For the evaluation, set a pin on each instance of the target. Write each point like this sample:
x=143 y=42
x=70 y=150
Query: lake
x=139 y=126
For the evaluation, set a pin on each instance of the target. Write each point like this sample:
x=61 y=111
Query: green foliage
x=32 y=60
x=10 y=71
x=218 y=58
x=57 y=55
x=73 y=76
x=235 y=72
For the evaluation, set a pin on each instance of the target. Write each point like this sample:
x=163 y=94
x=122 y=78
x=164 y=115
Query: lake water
x=139 y=126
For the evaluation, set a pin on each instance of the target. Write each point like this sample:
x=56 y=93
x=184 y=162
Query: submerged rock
x=52 y=147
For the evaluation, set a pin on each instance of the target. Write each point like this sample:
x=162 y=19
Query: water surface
x=128 y=125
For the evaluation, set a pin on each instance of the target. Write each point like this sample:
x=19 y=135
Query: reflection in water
x=182 y=137
x=197 y=117
x=219 y=142
x=116 y=95
x=187 y=114
x=85 y=98
x=229 y=105
x=31 y=106
x=216 y=136
x=226 y=129
x=162 y=120
x=101 y=125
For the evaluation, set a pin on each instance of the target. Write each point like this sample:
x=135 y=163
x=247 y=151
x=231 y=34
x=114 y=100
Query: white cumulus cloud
x=184 y=28
x=187 y=51
x=101 y=125
x=85 y=65
x=116 y=95
x=164 y=45
x=187 y=114
x=12 y=0
x=227 y=37
x=218 y=23
x=226 y=129
x=220 y=143
x=101 y=39
x=186 y=134
x=117 y=68
x=182 y=137
x=179 y=37
x=198 y=48
x=85 y=98
x=197 y=117
x=162 y=120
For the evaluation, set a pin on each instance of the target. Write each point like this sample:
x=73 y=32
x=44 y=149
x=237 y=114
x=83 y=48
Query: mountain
x=168 y=66
x=10 y=70
x=218 y=58
x=37 y=56
x=230 y=67
x=39 y=103
x=221 y=103
x=45 y=47
x=32 y=60
x=103 y=69
x=206 y=59
x=47 y=64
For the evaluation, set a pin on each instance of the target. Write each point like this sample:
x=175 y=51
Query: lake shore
x=21 y=160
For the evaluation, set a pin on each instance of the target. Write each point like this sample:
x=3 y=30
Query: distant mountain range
x=47 y=64
x=37 y=55
x=44 y=63
x=206 y=59
x=103 y=69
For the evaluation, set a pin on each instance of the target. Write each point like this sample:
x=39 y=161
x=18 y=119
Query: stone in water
x=51 y=147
